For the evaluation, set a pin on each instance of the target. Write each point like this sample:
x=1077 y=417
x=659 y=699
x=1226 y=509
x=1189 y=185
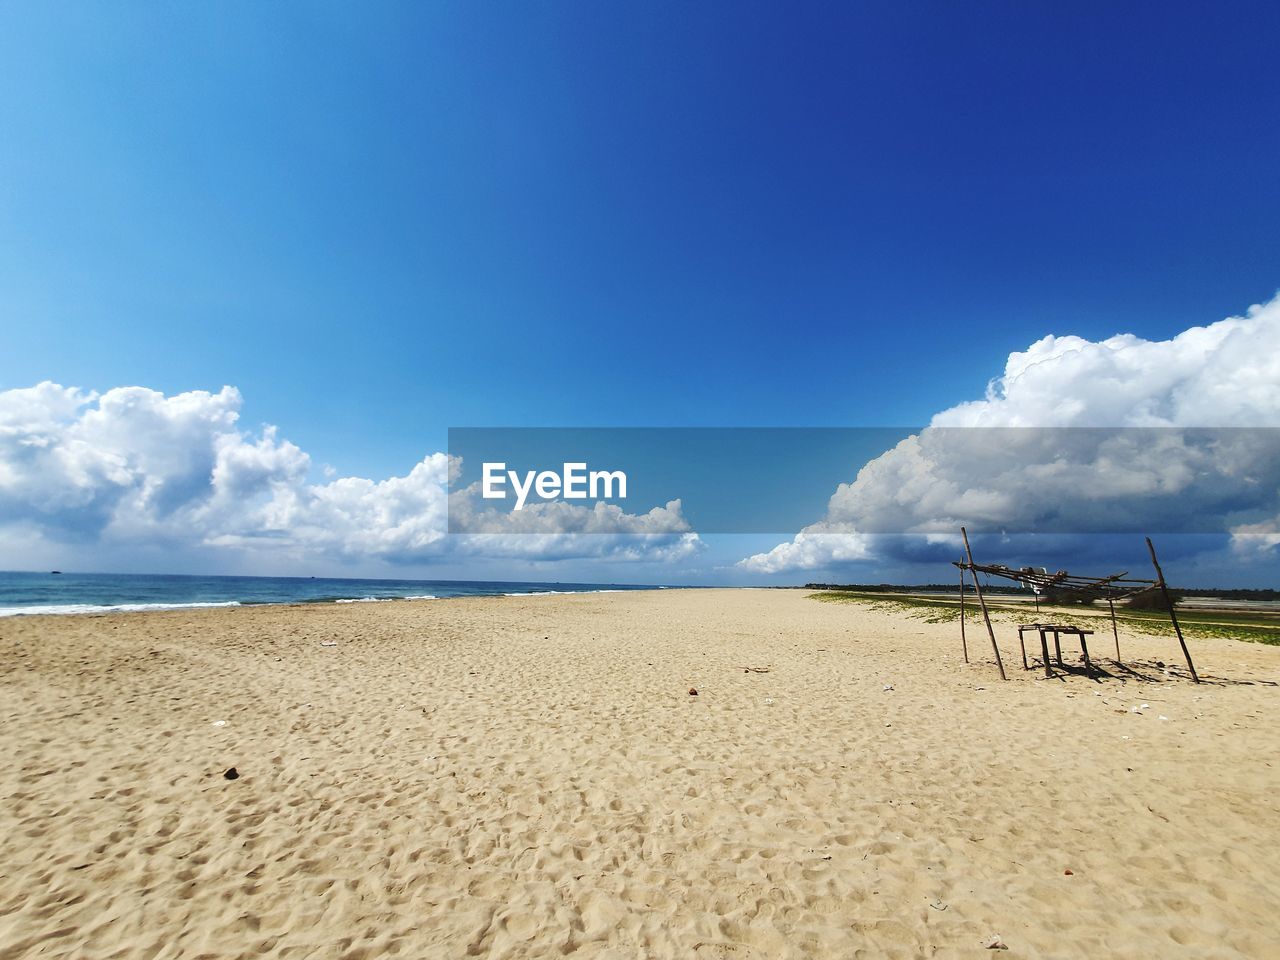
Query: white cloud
x=812 y=549
x=1226 y=374
x=132 y=466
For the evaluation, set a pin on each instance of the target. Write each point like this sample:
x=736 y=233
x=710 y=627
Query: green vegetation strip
x=1229 y=624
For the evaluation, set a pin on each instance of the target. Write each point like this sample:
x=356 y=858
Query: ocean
x=31 y=593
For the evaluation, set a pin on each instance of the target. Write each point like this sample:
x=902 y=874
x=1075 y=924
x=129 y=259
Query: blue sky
x=380 y=222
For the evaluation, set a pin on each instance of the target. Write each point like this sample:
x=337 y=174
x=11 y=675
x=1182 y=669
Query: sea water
x=32 y=593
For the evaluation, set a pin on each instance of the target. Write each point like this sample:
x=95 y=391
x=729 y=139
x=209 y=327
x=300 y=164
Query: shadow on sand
x=1139 y=671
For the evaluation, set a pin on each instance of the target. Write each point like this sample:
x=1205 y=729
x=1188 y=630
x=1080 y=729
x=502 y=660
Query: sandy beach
x=530 y=777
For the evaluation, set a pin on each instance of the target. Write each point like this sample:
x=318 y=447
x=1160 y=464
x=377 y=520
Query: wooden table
x=1057 y=629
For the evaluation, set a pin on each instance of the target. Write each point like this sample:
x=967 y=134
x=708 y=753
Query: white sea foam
x=83 y=608
x=66 y=608
x=557 y=593
x=425 y=596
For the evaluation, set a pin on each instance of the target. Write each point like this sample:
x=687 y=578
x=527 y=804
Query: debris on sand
x=995 y=943
x=693 y=691
x=231 y=774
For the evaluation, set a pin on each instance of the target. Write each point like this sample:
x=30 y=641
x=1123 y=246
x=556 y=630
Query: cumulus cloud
x=78 y=464
x=1140 y=444
x=132 y=465
x=557 y=528
x=812 y=549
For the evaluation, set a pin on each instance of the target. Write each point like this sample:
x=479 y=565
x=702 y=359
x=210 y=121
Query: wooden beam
x=1096 y=585
x=963 y=642
x=1044 y=652
x=977 y=588
x=1114 y=632
x=1172 y=616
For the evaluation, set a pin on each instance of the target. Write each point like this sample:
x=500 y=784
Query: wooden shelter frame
x=1118 y=586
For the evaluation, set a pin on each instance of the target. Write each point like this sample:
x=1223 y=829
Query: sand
x=529 y=777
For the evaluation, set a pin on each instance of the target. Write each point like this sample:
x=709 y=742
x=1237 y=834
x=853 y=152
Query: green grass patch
x=1247 y=626
x=1229 y=624
x=919 y=608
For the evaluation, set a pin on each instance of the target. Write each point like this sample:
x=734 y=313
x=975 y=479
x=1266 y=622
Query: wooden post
x=977 y=588
x=963 y=642
x=1114 y=632
x=1044 y=651
x=1164 y=589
